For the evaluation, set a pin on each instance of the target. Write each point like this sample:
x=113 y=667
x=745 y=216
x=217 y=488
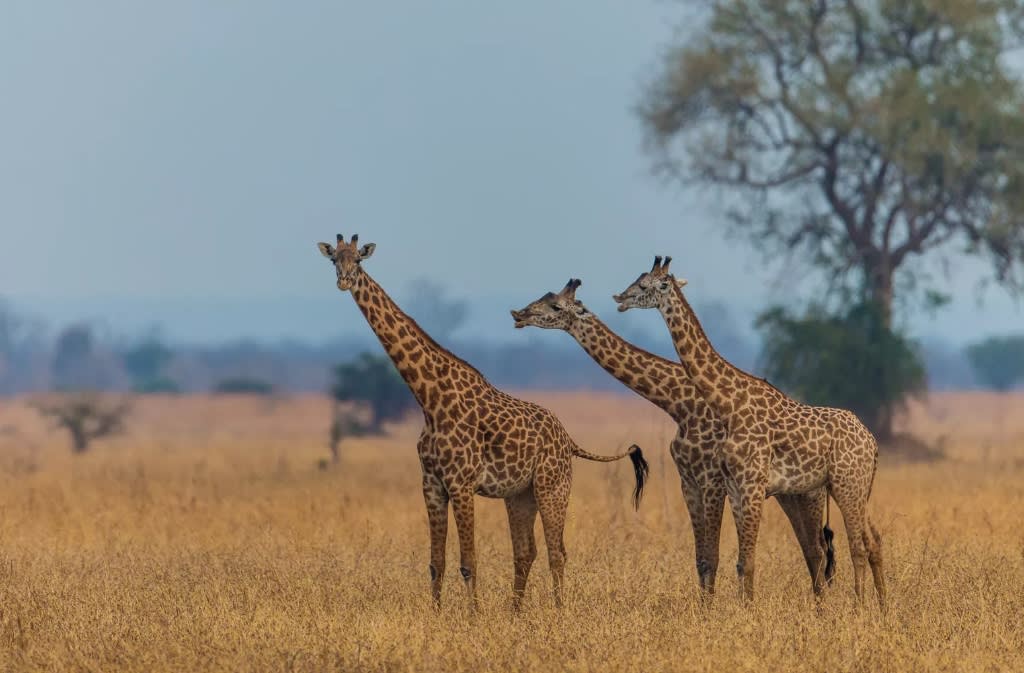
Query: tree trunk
x=880 y=292
x=882 y=426
x=79 y=440
x=880 y=289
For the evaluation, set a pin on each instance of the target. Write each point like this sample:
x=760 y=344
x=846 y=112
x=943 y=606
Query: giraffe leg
x=852 y=507
x=873 y=542
x=522 y=513
x=552 y=493
x=692 y=498
x=804 y=511
x=747 y=501
x=714 y=508
x=436 y=497
x=462 y=506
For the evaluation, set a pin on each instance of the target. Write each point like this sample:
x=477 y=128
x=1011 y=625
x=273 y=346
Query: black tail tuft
x=830 y=554
x=640 y=469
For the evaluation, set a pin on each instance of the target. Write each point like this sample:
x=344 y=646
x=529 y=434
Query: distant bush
x=372 y=380
x=86 y=416
x=852 y=361
x=158 y=385
x=145 y=362
x=998 y=362
x=344 y=424
x=243 y=386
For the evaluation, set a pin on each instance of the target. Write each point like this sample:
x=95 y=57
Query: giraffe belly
x=502 y=481
x=794 y=477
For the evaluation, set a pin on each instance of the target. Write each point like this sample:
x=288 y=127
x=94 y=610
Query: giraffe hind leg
x=873 y=542
x=852 y=507
x=522 y=513
x=552 y=494
x=805 y=512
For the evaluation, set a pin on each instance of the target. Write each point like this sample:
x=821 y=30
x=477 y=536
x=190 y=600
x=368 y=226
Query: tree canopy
x=373 y=380
x=860 y=133
x=998 y=361
x=853 y=361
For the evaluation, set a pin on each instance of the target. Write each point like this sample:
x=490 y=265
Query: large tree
x=864 y=133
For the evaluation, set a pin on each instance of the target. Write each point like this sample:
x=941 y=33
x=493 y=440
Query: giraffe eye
x=556 y=307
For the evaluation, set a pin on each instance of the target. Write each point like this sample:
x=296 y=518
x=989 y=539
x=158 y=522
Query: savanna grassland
x=206 y=538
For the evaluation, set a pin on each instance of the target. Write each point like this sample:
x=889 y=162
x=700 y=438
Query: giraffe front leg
x=436 y=498
x=747 y=500
x=694 y=507
x=462 y=507
x=714 y=508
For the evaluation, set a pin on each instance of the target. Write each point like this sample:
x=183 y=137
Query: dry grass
x=207 y=539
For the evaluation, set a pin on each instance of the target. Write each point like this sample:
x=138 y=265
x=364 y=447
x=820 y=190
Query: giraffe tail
x=640 y=467
x=830 y=549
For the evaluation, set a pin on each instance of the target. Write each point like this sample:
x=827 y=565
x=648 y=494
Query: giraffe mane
x=429 y=340
x=702 y=334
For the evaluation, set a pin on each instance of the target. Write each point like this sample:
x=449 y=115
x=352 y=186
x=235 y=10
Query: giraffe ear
x=367 y=251
x=326 y=250
x=681 y=282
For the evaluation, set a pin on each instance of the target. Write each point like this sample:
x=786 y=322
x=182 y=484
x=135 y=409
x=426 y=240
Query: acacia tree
x=372 y=380
x=863 y=133
x=86 y=416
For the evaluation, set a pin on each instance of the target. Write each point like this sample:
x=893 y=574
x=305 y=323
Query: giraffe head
x=553 y=310
x=651 y=289
x=346 y=258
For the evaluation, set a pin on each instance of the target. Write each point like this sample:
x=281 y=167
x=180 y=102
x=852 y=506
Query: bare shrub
x=86 y=416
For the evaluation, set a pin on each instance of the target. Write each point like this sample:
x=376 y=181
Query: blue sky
x=177 y=162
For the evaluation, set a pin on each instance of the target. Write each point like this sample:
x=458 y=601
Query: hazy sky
x=177 y=162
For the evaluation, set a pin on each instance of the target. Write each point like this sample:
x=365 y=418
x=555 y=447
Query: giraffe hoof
x=433 y=574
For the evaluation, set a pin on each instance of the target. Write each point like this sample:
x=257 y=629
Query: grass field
x=207 y=538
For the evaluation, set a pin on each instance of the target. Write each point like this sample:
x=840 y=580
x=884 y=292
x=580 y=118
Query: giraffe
x=694 y=449
x=476 y=440
x=773 y=444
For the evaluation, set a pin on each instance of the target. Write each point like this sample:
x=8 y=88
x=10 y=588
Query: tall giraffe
x=476 y=440
x=773 y=444
x=695 y=447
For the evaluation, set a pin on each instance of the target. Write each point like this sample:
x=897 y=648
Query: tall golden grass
x=206 y=538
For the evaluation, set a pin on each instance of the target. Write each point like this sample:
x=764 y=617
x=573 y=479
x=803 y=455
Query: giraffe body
x=695 y=447
x=774 y=445
x=476 y=440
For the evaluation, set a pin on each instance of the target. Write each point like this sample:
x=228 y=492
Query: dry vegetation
x=206 y=538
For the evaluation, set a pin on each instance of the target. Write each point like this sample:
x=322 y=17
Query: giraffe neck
x=427 y=368
x=717 y=379
x=662 y=382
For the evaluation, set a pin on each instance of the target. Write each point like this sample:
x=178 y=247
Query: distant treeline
x=86 y=356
